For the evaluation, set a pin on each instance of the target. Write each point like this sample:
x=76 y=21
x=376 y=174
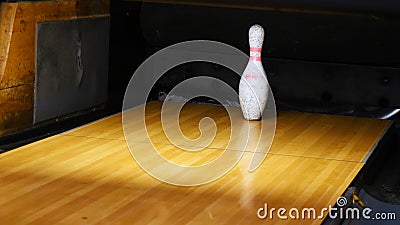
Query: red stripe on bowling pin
x=255 y=49
x=255 y=58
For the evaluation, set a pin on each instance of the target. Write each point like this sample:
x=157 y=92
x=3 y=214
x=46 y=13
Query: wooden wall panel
x=17 y=51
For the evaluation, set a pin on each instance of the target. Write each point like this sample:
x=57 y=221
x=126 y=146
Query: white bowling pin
x=253 y=86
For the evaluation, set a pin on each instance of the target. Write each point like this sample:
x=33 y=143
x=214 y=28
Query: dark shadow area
x=381 y=179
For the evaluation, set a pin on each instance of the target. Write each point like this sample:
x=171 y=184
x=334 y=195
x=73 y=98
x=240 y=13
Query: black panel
x=316 y=61
x=127 y=49
x=352 y=39
x=74 y=75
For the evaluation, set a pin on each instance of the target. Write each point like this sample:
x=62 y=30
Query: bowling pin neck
x=256 y=39
x=255 y=54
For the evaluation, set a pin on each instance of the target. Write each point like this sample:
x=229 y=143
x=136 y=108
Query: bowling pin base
x=253 y=99
x=249 y=113
x=253 y=119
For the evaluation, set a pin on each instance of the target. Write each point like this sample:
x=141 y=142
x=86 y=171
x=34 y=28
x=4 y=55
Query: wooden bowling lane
x=88 y=176
x=298 y=134
x=96 y=181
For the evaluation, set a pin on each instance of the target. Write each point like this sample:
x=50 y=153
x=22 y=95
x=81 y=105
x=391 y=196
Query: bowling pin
x=253 y=86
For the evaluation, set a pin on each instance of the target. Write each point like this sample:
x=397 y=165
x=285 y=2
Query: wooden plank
x=88 y=175
x=327 y=136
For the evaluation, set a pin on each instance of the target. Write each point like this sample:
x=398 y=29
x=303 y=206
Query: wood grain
x=298 y=134
x=88 y=176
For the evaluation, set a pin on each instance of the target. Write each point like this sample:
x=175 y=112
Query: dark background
x=338 y=57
